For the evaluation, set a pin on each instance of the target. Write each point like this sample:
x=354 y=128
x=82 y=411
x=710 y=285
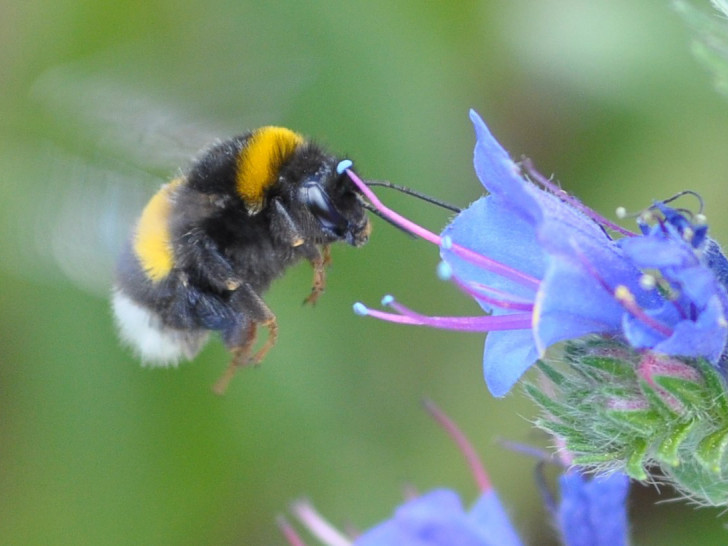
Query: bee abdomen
x=156 y=344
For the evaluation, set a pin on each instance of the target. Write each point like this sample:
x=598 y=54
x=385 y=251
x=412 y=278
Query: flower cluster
x=591 y=511
x=640 y=319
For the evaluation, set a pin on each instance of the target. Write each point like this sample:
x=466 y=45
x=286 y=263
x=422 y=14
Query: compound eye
x=312 y=194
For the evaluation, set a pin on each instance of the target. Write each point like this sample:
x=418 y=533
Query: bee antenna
x=414 y=193
x=375 y=212
x=344 y=164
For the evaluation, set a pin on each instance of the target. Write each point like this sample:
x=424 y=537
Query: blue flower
x=546 y=269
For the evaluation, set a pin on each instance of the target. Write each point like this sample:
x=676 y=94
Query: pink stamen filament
x=623 y=295
x=480 y=323
x=289 y=532
x=500 y=299
x=465 y=253
x=319 y=527
x=682 y=312
x=466 y=448
x=522 y=320
x=573 y=201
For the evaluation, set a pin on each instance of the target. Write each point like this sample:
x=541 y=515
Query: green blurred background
x=97 y=450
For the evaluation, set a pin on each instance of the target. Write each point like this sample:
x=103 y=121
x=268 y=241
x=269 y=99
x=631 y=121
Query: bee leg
x=242 y=342
x=240 y=358
x=320 y=262
x=202 y=254
x=320 y=259
x=283 y=223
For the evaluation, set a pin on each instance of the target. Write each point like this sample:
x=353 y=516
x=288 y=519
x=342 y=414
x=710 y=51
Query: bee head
x=331 y=198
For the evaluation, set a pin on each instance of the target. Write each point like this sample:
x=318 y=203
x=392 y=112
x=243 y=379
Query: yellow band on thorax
x=152 y=238
x=259 y=161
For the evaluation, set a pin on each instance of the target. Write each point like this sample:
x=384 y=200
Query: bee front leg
x=283 y=224
x=241 y=339
x=320 y=262
x=287 y=229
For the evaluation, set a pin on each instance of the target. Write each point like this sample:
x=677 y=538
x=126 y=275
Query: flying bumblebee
x=209 y=243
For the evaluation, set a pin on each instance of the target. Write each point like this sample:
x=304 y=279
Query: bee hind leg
x=241 y=338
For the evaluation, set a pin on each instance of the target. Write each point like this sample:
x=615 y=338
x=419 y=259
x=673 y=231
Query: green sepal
x=642 y=422
x=557 y=378
x=563 y=431
x=715 y=386
x=613 y=367
x=711 y=450
x=668 y=450
x=689 y=393
x=657 y=401
x=635 y=464
x=598 y=459
x=699 y=484
x=557 y=410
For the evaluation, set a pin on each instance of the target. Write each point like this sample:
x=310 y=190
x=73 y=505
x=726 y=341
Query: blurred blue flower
x=545 y=269
x=439 y=518
x=591 y=512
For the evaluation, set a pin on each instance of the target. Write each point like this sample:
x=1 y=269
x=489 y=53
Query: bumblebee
x=209 y=243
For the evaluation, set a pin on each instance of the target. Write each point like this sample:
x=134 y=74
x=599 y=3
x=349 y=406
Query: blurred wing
x=104 y=118
x=110 y=149
x=73 y=220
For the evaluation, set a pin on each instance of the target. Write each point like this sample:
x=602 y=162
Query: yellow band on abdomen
x=152 y=239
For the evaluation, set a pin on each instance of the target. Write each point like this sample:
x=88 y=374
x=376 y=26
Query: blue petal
x=503 y=179
x=654 y=252
x=490 y=229
x=697 y=283
x=506 y=357
x=488 y=513
x=577 y=293
x=434 y=519
x=500 y=175
x=716 y=261
x=597 y=256
x=705 y=337
x=640 y=335
x=572 y=303
x=592 y=512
